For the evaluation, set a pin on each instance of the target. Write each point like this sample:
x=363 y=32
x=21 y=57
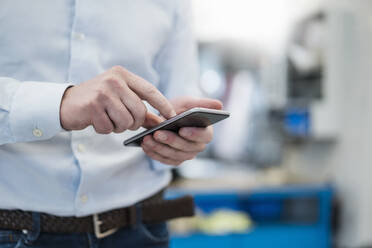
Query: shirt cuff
x=35 y=110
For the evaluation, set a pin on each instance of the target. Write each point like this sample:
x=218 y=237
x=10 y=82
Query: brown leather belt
x=152 y=210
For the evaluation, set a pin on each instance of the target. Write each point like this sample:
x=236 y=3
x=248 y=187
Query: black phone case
x=198 y=118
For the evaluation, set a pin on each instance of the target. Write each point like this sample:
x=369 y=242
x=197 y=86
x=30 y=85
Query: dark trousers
x=138 y=236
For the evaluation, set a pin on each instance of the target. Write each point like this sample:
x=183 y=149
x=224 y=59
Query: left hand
x=172 y=148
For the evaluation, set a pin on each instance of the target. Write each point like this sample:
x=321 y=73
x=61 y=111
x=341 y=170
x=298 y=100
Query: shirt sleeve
x=177 y=62
x=29 y=111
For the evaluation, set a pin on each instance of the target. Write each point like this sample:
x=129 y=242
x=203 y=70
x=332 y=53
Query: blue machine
x=297 y=122
x=291 y=216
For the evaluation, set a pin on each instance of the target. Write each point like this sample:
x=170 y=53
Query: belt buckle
x=97 y=230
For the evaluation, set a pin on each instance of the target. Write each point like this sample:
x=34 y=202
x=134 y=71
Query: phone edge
x=175 y=118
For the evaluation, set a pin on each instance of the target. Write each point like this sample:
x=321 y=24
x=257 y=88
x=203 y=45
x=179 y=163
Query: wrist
x=62 y=109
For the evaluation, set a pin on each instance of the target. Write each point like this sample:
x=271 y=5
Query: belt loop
x=137 y=214
x=33 y=235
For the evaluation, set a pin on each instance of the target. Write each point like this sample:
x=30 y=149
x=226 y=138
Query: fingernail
x=162 y=137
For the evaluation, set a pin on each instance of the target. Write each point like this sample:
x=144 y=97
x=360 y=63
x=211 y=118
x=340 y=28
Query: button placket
x=77 y=61
x=79 y=36
x=80 y=148
x=84 y=198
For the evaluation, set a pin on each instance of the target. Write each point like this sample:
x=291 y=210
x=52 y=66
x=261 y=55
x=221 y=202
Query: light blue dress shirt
x=45 y=46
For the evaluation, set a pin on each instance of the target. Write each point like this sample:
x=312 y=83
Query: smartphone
x=195 y=117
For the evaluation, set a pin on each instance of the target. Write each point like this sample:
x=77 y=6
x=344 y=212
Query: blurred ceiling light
x=212 y=84
x=263 y=23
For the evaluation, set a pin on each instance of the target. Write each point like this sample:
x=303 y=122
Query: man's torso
x=78 y=173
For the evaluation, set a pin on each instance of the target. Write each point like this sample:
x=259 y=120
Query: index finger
x=152 y=120
x=151 y=94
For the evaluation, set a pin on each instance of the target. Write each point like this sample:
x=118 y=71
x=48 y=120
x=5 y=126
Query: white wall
x=350 y=74
x=346 y=112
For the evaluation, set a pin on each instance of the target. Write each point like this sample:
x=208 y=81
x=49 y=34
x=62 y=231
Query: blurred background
x=292 y=166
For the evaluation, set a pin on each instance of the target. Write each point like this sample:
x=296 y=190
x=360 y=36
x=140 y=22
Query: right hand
x=111 y=102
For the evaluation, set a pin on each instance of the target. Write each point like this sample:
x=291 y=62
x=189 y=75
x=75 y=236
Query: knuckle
x=107 y=129
x=125 y=125
x=114 y=82
x=129 y=123
x=134 y=128
x=98 y=130
x=119 y=129
x=103 y=127
x=101 y=96
x=103 y=130
x=94 y=106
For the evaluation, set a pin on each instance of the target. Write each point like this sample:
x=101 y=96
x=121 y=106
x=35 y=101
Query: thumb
x=186 y=103
x=206 y=103
x=152 y=120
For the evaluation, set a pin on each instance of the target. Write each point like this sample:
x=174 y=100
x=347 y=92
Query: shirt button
x=83 y=198
x=37 y=132
x=79 y=36
x=80 y=148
